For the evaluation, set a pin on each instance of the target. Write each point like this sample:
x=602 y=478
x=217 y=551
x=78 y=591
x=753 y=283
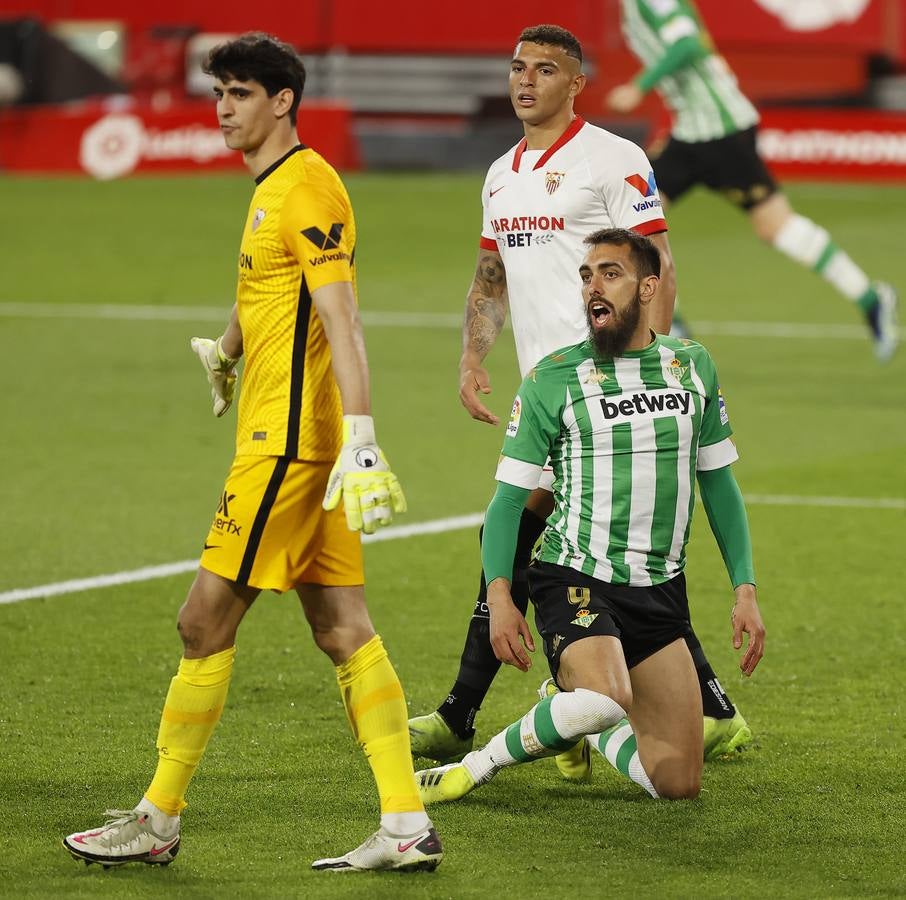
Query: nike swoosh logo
x=404 y=847
x=80 y=838
x=156 y=851
x=212 y=546
x=497 y=190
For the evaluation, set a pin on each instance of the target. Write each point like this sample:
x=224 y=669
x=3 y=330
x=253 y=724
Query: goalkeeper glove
x=220 y=370
x=371 y=492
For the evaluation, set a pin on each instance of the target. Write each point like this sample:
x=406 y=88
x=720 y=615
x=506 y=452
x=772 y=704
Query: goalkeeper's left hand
x=220 y=370
x=371 y=492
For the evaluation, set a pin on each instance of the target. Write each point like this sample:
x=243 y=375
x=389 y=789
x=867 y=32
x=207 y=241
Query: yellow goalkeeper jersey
x=299 y=235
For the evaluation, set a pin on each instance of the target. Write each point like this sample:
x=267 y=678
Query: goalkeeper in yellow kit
x=305 y=440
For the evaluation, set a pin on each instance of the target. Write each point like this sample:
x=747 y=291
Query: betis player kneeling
x=629 y=420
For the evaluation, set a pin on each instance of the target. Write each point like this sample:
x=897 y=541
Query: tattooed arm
x=486 y=306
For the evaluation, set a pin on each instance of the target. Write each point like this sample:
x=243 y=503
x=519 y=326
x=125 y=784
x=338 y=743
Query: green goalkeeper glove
x=220 y=370
x=371 y=492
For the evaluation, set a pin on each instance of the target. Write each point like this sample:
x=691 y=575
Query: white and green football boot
x=883 y=321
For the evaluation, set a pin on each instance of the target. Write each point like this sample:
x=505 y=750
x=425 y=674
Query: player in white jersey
x=539 y=205
x=564 y=179
x=713 y=142
x=630 y=420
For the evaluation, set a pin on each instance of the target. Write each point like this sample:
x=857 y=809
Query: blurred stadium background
x=122 y=211
x=99 y=90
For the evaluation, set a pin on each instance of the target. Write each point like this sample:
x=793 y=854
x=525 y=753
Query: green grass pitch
x=111 y=461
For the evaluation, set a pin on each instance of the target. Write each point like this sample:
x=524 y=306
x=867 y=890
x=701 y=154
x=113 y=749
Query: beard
x=613 y=340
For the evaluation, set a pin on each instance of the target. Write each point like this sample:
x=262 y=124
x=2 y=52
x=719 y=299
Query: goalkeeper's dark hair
x=645 y=256
x=553 y=36
x=256 y=56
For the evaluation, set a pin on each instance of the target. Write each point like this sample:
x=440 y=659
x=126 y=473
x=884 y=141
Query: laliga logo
x=814 y=15
x=115 y=145
x=112 y=147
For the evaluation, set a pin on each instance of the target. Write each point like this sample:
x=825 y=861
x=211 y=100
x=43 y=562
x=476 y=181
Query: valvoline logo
x=647 y=188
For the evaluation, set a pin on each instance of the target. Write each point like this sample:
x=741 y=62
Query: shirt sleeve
x=630 y=192
x=530 y=434
x=715 y=449
x=729 y=523
x=318 y=229
x=681 y=34
x=501 y=532
x=673 y=20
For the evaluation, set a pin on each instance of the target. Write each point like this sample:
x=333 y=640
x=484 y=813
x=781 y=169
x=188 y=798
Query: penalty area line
x=417 y=529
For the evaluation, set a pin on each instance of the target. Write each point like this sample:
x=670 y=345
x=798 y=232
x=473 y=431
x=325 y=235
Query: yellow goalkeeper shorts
x=270 y=531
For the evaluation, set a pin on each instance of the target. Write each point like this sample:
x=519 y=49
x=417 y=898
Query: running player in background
x=563 y=180
x=713 y=142
x=629 y=419
x=305 y=402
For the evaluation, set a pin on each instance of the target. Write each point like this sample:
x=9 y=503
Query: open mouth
x=600 y=312
x=525 y=99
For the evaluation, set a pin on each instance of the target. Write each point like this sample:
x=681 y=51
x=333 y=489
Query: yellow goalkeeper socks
x=192 y=709
x=376 y=707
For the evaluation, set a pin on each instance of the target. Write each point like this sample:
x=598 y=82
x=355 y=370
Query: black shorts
x=570 y=606
x=730 y=165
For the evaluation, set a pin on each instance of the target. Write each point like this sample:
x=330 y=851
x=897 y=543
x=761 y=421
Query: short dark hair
x=645 y=256
x=263 y=58
x=553 y=36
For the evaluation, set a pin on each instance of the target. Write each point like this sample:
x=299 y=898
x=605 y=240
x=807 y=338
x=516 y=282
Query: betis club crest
x=677 y=369
x=552 y=180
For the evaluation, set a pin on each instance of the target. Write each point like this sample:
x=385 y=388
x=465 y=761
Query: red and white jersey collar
x=574 y=128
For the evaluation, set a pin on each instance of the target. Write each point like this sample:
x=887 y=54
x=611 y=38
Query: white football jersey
x=538 y=208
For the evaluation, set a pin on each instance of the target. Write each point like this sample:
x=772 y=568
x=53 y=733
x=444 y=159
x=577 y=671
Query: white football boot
x=127 y=836
x=383 y=850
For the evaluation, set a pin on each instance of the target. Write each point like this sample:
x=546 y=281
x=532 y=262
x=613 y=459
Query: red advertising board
x=474 y=26
x=851 y=145
x=852 y=25
x=109 y=142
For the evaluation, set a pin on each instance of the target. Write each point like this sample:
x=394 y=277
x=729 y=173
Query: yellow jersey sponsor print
x=299 y=235
x=270 y=532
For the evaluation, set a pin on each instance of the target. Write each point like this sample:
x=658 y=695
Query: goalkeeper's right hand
x=220 y=370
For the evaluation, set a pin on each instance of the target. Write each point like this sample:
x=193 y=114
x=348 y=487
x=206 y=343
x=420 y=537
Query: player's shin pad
x=361 y=476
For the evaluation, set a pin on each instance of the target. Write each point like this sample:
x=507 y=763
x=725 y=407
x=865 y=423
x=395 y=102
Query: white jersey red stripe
x=538 y=208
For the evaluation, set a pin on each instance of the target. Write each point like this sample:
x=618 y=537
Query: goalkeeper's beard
x=612 y=340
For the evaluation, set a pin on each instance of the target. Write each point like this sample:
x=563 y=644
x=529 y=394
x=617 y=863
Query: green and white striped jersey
x=625 y=438
x=703 y=95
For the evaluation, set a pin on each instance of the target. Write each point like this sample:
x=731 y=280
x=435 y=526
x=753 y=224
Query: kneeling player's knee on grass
x=678 y=784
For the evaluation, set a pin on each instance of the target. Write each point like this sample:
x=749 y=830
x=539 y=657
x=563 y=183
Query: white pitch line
x=396 y=532
x=390 y=319
x=847 y=502
x=149 y=573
